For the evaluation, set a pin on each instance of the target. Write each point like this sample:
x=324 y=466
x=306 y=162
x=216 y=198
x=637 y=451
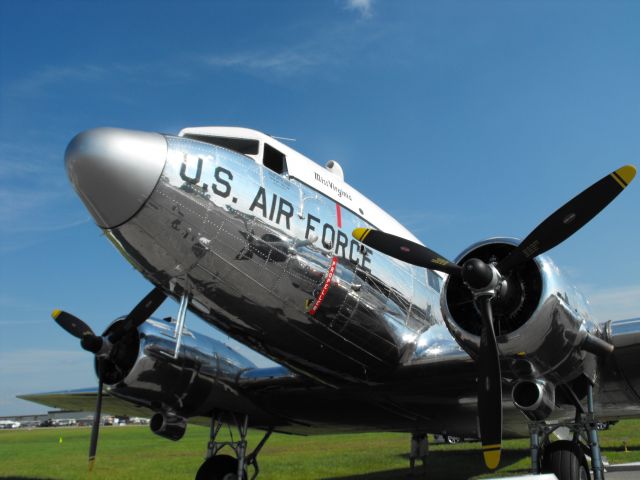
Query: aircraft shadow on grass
x=443 y=465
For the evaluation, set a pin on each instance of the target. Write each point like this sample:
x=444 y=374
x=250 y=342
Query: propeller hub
x=91 y=343
x=478 y=275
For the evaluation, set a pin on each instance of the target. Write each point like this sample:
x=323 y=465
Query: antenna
x=283 y=138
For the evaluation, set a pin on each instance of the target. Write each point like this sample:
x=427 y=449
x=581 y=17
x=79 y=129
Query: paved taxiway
x=625 y=471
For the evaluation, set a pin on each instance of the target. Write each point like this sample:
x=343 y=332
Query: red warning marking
x=325 y=287
x=339 y=215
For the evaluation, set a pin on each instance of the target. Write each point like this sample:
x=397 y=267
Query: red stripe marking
x=339 y=215
x=325 y=287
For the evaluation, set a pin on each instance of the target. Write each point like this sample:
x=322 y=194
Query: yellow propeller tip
x=492 y=459
x=491 y=455
x=55 y=313
x=360 y=233
x=626 y=173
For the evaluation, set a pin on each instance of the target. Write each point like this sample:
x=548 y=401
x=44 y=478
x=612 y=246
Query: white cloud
x=54 y=75
x=329 y=46
x=286 y=62
x=23 y=159
x=320 y=52
x=361 y=6
x=35 y=196
x=615 y=303
x=17 y=204
x=27 y=214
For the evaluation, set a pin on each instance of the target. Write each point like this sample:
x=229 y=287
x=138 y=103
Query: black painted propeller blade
x=94 y=343
x=71 y=324
x=143 y=310
x=569 y=218
x=405 y=250
x=489 y=388
x=95 y=428
x=76 y=327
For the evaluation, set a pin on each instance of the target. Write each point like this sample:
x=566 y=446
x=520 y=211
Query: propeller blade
x=405 y=250
x=92 y=343
x=489 y=388
x=569 y=218
x=71 y=324
x=95 y=428
x=143 y=310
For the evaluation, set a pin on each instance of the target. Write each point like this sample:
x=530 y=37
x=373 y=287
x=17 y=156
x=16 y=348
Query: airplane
x=9 y=424
x=370 y=329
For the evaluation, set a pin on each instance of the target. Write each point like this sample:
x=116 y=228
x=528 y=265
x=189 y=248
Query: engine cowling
x=142 y=369
x=541 y=323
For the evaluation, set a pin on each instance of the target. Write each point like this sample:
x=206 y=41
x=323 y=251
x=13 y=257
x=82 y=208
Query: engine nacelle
x=542 y=324
x=142 y=369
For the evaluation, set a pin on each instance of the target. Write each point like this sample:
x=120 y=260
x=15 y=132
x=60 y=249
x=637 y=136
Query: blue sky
x=464 y=120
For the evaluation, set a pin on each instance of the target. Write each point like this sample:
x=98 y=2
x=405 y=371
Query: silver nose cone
x=115 y=171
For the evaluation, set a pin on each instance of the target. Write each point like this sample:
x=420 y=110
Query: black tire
x=566 y=460
x=219 y=467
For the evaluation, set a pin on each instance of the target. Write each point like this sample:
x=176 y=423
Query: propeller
x=143 y=310
x=405 y=250
x=569 y=218
x=71 y=324
x=95 y=427
x=485 y=280
x=102 y=346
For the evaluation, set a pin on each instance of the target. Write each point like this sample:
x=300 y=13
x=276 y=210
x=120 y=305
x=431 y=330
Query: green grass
x=135 y=453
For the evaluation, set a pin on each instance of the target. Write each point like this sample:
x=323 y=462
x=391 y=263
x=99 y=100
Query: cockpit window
x=246 y=146
x=274 y=160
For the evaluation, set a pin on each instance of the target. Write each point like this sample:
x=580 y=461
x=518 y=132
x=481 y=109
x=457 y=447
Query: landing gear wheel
x=566 y=460
x=451 y=440
x=219 y=467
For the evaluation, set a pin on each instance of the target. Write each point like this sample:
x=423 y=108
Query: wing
x=84 y=400
x=225 y=396
x=620 y=395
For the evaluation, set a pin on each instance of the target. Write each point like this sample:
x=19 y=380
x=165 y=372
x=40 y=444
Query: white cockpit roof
x=303 y=169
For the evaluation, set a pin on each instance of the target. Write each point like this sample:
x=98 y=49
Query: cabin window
x=246 y=146
x=274 y=160
x=434 y=280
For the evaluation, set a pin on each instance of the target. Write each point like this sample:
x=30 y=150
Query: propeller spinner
x=483 y=279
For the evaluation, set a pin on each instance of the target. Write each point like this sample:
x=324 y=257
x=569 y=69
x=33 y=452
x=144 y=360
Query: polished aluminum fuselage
x=271 y=261
x=255 y=251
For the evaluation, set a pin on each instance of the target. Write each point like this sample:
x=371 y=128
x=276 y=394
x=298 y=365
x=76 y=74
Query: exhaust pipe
x=168 y=426
x=536 y=399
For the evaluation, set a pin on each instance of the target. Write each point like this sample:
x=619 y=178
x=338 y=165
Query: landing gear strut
x=567 y=458
x=226 y=467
